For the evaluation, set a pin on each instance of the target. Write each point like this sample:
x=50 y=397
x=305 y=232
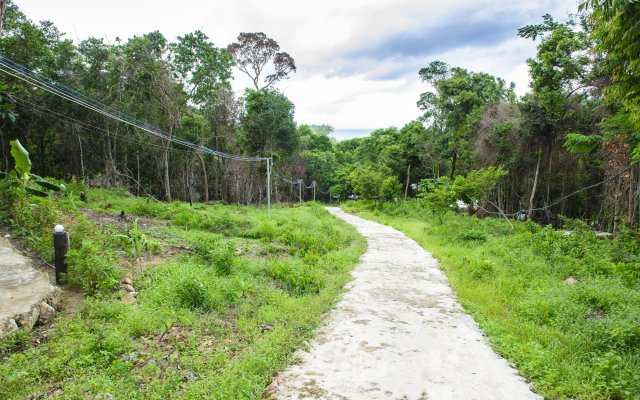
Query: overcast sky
x=357 y=60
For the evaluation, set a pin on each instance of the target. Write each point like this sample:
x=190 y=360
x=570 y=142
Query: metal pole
x=60 y=248
x=269 y=186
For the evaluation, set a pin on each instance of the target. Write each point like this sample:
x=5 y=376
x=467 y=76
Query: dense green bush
x=92 y=268
x=298 y=277
x=217 y=254
x=193 y=294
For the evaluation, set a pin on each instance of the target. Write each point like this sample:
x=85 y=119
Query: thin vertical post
x=300 y=190
x=269 y=187
x=314 y=191
x=60 y=248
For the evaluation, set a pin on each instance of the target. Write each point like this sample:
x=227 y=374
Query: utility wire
x=88 y=128
x=23 y=73
x=520 y=212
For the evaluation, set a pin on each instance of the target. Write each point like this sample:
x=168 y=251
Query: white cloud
x=333 y=85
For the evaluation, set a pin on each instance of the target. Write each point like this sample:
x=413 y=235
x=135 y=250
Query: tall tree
x=615 y=30
x=203 y=68
x=456 y=104
x=253 y=52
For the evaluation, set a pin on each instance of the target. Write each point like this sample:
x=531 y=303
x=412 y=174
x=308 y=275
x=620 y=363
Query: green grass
x=578 y=341
x=216 y=321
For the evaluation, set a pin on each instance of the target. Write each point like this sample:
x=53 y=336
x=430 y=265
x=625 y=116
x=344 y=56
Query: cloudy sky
x=357 y=60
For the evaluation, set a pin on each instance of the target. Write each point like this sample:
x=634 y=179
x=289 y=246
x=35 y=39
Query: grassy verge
x=224 y=297
x=565 y=310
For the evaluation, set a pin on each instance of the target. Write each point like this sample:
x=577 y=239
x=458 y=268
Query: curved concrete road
x=398 y=333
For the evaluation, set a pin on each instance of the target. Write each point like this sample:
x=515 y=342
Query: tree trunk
x=206 y=179
x=4 y=151
x=165 y=162
x=453 y=165
x=109 y=163
x=3 y=7
x=535 y=185
x=77 y=132
x=406 y=186
x=138 y=171
x=633 y=198
x=548 y=201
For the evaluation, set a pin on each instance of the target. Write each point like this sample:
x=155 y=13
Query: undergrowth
x=233 y=296
x=564 y=309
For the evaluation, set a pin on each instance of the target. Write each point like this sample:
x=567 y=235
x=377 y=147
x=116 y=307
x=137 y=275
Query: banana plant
x=21 y=177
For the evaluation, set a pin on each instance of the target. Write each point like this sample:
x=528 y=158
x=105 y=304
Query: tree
x=203 y=68
x=253 y=51
x=267 y=123
x=615 y=29
x=439 y=195
x=390 y=188
x=366 y=182
x=456 y=104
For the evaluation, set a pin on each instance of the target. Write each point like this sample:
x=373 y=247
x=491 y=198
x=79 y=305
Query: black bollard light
x=60 y=247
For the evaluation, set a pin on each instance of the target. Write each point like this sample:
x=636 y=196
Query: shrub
x=193 y=294
x=472 y=236
x=221 y=256
x=92 y=270
x=15 y=341
x=300 y=279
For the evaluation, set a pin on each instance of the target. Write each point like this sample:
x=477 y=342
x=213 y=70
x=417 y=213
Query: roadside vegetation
x=223 y=295
x=565 y=309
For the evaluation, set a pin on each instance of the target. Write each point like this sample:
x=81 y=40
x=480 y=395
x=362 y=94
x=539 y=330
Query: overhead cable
x=23 y=73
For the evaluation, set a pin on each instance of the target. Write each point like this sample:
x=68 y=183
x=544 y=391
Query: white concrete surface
x=22 y=286
x=399 y=333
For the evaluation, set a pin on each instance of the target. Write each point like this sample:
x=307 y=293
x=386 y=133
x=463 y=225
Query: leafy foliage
x=92 y=268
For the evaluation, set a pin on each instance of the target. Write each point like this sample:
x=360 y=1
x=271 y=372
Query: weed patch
x=218 y=321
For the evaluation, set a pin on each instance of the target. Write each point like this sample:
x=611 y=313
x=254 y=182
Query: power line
x=88 y=127
x=23 y=73
x=520 y=212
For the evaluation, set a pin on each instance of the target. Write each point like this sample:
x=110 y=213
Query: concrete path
x=23 y=290
x=399 y=333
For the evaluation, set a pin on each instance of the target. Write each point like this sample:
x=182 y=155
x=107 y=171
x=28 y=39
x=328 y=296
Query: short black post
x=60 y=246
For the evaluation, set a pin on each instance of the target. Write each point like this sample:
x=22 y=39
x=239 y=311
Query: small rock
x=191 y=376
x=604 y=235
x=570 y=281
x=28 y=319
x=134 y=294
x=54 y=297
x=47 y=313
x=7 y=326
x=128 y=288
x=568 y=233
x=104 y=396
x=7 y=235
x=128 y=298
x=58 y=393
x=127 y=280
